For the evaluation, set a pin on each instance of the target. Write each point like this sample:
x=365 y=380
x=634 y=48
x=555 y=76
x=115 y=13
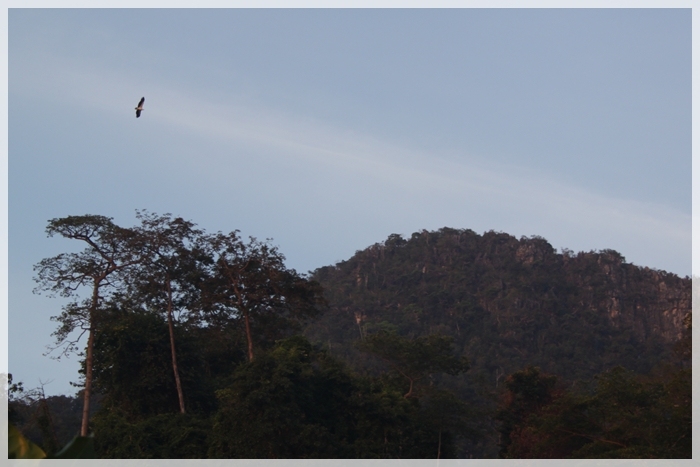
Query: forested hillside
x=447 y=344
x=507 y=303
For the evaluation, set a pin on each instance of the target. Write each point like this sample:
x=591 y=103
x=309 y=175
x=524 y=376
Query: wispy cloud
x=502 y=187
x=518 y=194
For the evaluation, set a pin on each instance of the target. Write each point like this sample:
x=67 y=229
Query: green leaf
x=19 y=447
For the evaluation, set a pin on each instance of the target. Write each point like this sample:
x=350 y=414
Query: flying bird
x=140 y=107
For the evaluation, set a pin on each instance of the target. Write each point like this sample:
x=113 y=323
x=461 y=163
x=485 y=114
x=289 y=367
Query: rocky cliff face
x=651 y=302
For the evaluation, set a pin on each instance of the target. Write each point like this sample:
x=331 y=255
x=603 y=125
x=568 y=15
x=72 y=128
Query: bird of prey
x=140 y=107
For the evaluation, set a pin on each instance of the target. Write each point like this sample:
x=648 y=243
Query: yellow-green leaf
x=19 y=447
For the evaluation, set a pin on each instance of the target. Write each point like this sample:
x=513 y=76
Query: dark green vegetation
x=51 y=421
x=622 y=415
x=448 y=344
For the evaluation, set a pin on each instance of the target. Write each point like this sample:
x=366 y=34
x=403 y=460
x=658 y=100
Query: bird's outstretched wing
x=139 y=108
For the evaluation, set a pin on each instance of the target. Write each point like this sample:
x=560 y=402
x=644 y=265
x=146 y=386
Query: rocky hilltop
x=507 y=302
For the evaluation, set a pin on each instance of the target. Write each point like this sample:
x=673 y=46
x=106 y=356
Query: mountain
x=507 y=302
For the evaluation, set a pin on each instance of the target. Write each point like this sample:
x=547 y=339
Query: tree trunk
x=246 y=318
x=249 y=335
x=88 y=384
x=242 y=308
x=178 y=385
x=88 y=362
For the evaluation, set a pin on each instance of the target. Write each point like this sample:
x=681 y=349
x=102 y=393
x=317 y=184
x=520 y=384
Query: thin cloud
x=515 y=190
x=233 y=121
x=501 y=187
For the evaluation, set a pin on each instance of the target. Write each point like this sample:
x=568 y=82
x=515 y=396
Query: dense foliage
x=448 y=344
x=297 y=401
x=624 y=415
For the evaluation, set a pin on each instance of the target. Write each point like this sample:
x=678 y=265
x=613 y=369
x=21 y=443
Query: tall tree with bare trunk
x=95 y=273
x=166 y=280
x=249 y=282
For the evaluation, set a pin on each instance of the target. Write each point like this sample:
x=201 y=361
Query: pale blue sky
x=328 y=130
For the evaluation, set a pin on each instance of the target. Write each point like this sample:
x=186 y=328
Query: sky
x=329 y=130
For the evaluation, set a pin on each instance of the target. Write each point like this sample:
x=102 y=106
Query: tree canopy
x=446 y=344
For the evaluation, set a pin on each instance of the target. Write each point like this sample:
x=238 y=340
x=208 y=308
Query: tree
x=250 y=282
x=290 y=402
x=624 y=415
x=133 y=365
x=163 y=436
x=295 y=401
x=527 y=391
x=416 y=358
x=638 y=416
x=99 y=268
x=166 y=278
